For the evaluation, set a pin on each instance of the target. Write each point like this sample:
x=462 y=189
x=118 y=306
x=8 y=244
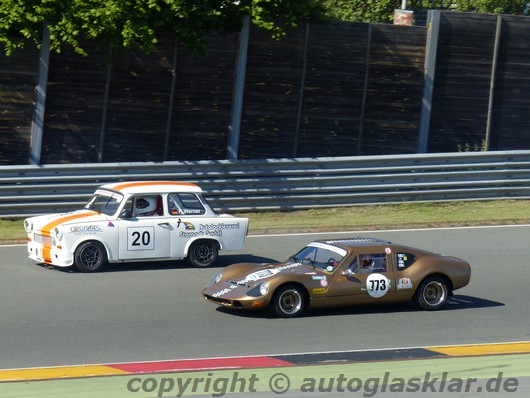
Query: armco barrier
x=287 y=184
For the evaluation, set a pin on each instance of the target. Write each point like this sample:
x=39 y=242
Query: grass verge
x=406 y=215
x=371 y=217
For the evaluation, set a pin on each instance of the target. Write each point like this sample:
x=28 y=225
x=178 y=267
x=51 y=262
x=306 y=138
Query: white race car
x=141 y=220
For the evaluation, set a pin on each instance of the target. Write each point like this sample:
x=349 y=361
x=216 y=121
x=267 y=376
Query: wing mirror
x=347 y=273
x=126 y=213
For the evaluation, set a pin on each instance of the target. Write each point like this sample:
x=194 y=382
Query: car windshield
x=103 y=201
x=320 y=255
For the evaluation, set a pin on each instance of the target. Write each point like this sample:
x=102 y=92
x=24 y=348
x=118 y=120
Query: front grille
x=217 y=300
x=43 y=240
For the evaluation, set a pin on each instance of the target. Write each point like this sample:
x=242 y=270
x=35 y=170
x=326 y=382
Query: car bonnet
x=47 y=222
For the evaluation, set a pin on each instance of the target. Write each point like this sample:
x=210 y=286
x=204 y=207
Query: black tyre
x=90 y=257
x=432 y=293
x=203 y=253
x=288 y=301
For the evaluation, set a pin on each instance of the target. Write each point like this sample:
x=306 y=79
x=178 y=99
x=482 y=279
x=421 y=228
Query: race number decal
x=377 y=285
x=142 y=238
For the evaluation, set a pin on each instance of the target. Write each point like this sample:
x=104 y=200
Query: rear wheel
x=203 y=253
x=288 y=301
x=432 y=293
x=90 y=257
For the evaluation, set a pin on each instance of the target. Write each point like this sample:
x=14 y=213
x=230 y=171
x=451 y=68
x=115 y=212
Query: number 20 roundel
x=377 y=285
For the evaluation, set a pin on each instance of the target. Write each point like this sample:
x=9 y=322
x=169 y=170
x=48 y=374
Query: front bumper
x=49 y=254
x=240 y=303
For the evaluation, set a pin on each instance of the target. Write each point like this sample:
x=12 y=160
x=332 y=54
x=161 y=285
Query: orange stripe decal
x=150 y=183
x=48 y=227
x=46 y=249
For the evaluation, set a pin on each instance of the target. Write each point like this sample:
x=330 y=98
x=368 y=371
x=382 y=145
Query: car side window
x=370 y=263
x=354 y=266
x=185 y=204
x=174 y=205
x=148 y=206
x=128 y=205
x=405 y=260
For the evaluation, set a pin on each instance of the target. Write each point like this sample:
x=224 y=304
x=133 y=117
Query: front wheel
x=203 y=253
x=90 y=257
x=288 y=301
x=432 y=293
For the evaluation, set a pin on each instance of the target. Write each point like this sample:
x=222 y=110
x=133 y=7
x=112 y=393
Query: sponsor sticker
x=404 y=283
x=216 y=226
x=323 y=280
x=85 y=229
x=338 y=250
x=262 y=274
x=110 y=194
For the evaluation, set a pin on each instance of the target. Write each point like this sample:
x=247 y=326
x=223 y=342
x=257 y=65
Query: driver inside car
x=146 y=206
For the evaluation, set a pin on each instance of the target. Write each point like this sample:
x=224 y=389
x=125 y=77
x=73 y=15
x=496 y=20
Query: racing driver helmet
x=145 y=206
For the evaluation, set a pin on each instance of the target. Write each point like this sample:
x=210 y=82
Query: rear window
x=185 y=204
x=405 y=260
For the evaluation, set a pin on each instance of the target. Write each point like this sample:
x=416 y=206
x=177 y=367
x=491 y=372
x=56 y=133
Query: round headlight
x=263 y=288
x=259 y=290
x=56 y=233
x=28 y=226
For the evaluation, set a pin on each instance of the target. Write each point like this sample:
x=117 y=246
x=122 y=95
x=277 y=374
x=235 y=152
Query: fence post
x=433 y=24
x=171 y=100
x=37 y=126
x=301 y=95
x=103 y=127
x=239 y=86
x=365 y=88
x=492 y=82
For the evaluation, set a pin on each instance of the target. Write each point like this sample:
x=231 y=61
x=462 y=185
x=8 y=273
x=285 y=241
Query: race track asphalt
x=154 y=311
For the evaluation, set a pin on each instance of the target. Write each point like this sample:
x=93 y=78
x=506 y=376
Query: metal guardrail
x=281 y=184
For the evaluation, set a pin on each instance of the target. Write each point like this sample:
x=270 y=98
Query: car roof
x=134 y=187
x=359 y=241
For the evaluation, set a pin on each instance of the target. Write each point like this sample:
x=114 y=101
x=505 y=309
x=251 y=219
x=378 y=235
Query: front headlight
x=259 y=290
x=28 y=226
x=216 y=279
x=57 y=234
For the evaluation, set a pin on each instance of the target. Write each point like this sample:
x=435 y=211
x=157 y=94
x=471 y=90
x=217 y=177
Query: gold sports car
x=341 y=272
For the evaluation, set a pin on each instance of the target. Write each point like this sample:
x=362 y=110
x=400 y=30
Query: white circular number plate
x=377 y=285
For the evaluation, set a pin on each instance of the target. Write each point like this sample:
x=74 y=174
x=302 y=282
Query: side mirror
x=347 y=273
x=126 y=213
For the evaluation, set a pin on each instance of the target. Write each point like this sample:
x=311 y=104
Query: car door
x=145 y=237
x=365 y=277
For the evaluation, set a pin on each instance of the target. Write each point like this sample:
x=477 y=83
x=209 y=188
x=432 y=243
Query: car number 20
x=140 y=238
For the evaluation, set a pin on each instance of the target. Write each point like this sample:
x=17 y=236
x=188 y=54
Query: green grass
x=406 y=215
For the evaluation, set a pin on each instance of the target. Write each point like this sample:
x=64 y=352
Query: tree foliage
x=131 y=23
x=383 y=10
x=492 y=6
